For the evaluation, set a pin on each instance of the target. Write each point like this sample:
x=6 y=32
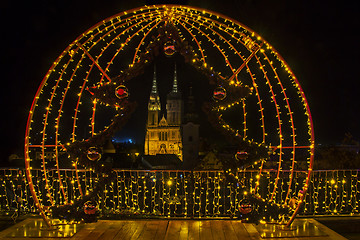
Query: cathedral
x=163 y=135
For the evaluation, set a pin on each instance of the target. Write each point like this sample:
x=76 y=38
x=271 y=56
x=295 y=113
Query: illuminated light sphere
x=275 y=114
x=121 y=92
x=219 y=93
x=93 y=154
x=169 y=48
x=241 y=155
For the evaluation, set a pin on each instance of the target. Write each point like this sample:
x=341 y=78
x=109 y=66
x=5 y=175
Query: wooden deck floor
x=168 y=229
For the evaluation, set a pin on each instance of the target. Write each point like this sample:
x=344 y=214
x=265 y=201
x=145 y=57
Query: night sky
x=318 y=39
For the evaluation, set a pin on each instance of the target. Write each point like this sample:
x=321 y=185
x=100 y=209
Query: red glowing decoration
x=169 y=48
x=90 y=208
x=93 y=154
x=121 y=92
x=219 y=93
x=241 y=155
x=245 y=207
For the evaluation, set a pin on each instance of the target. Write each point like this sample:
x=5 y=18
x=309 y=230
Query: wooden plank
x=161 y=229
x=164 y=229
x=109 y=234
x=216 y=230
x=150 y=230
x=140 y=226
x=173 y=230
x=127 y=231
x=86 y=229
x=205 y=230
x=113 y=229
x=194 y=230
x=81 y=234
x=116 y=224
x=228 y=230
x=239 y=229
x=184 y=230
x=97 y=231
x=253 y=233
x=13 y=228
x=332 y=234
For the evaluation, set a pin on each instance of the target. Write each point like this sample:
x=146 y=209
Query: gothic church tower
x=154 y=106
x=164 y=136
x=174 y=104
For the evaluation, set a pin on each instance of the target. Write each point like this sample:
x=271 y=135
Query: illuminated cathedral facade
x=163 y=135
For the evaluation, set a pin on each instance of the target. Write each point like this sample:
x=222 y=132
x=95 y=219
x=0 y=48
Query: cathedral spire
x=154 y=101
x=175 y=87
x=154 y=87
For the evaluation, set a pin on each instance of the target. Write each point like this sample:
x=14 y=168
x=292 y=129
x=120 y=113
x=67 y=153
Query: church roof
x=163 y=121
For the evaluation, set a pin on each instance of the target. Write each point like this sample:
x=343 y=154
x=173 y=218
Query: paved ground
x=33 y=228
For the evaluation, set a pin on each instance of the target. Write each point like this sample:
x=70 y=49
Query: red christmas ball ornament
x=121 y=92
x=90 y=208
x=245 y=207
x=241 y=155
x=169 y=48
x=219 y=94
x=94 y=154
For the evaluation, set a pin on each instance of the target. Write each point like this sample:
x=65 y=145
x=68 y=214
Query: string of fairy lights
x=167 y=193
x=238 y=55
